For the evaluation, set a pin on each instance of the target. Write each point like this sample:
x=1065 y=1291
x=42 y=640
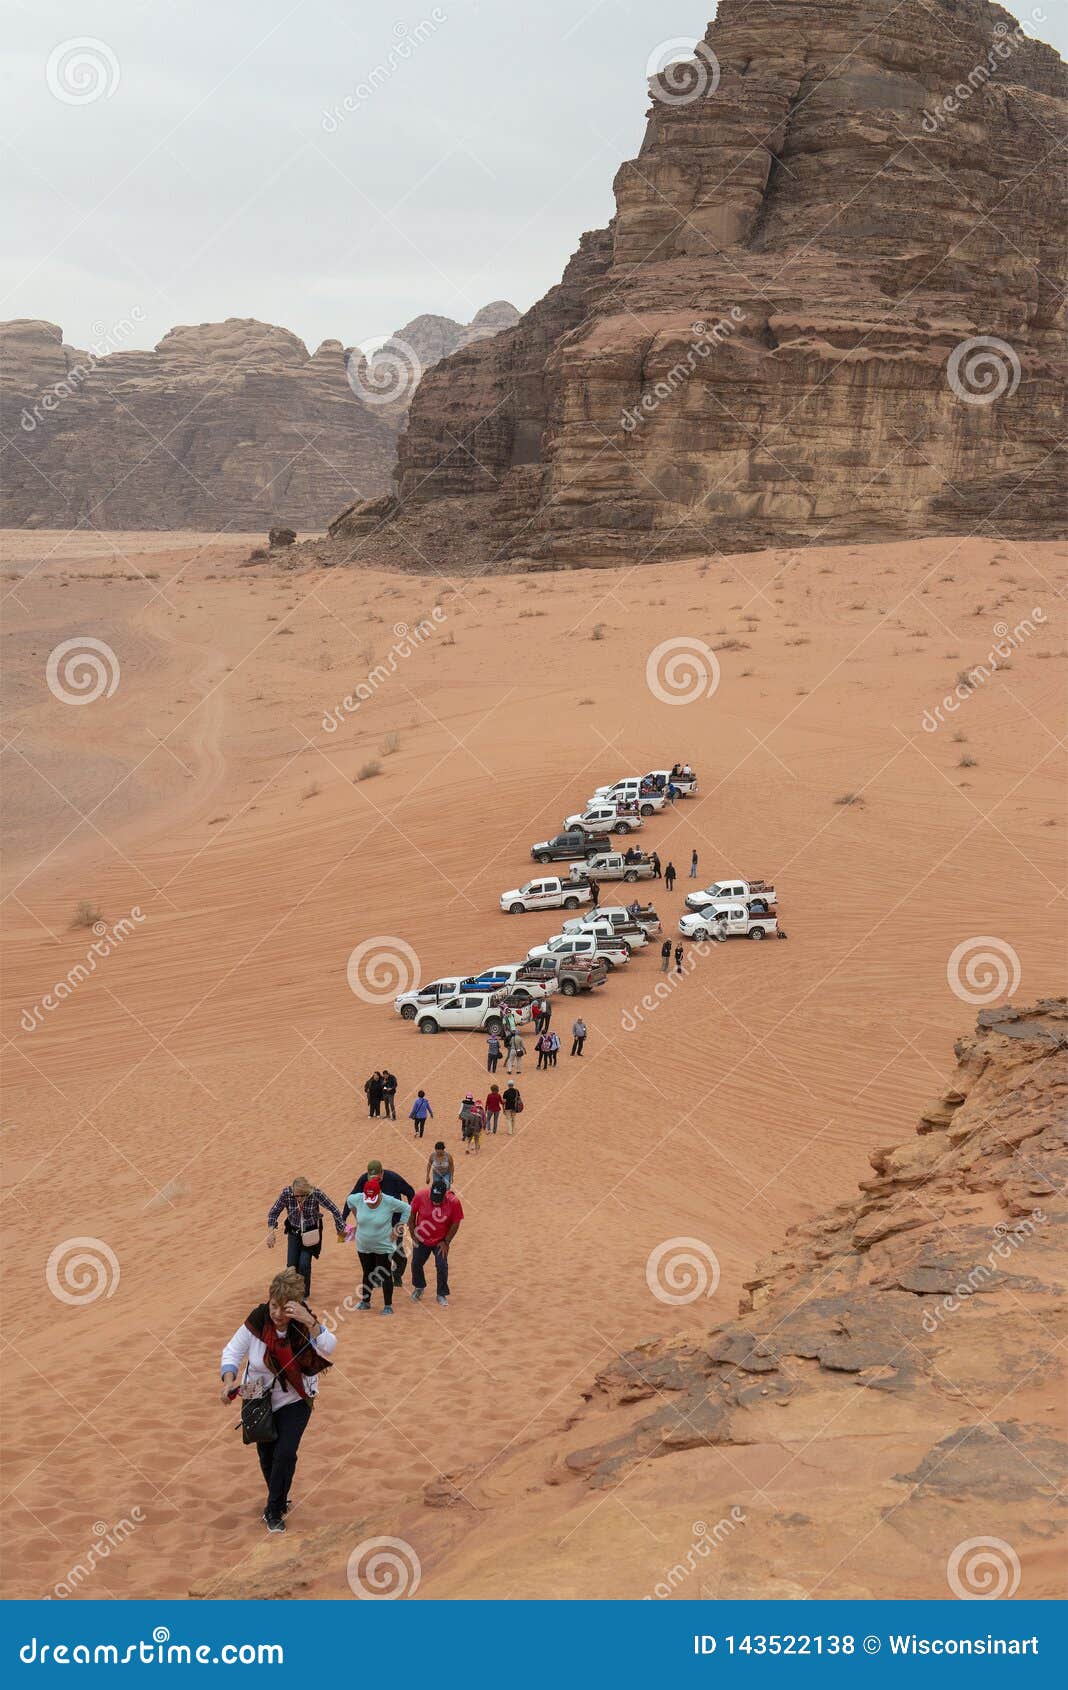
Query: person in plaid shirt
x=304 y=1204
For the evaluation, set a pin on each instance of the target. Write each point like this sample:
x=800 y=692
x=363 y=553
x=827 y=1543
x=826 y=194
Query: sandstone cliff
x=883 y=1419
x=772 y=342
x=226 y=425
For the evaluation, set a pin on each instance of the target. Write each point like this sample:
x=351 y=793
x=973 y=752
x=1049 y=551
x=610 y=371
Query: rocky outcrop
x=226 y=425
x=884 y=1418
x=772 y=343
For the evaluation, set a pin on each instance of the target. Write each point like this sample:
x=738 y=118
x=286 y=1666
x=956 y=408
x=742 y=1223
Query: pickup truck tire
x=568 y=988
x=543 y=857
x=630 y=875
x=647 y=810
x=756 y=933
x=571 y=903
x=428 y=1025
x=494 y=1024
x=515 y=909
x=408 y=1012
x=621 y=827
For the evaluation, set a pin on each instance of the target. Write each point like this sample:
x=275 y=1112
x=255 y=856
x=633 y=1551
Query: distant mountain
x=230 y=425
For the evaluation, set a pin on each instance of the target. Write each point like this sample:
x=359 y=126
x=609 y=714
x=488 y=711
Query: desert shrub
x=86 y=913
x=391 y=744
x=850 y=798
x=368 y=771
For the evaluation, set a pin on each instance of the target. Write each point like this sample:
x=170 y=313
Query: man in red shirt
x=433 y=1223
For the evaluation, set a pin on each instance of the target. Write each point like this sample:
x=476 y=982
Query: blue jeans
x=441 y=1265
x=299 y=1256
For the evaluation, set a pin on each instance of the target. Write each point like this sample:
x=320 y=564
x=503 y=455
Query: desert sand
x=219 y=1050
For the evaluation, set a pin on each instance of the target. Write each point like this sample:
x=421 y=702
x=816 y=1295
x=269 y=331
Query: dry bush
x=367 y=771
x=86 y=913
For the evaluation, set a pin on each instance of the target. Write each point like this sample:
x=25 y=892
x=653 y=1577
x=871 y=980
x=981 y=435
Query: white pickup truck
x=468 y=1012
x=732 y=892
x=635 y=789
x=613 y=865
x=603 y=818
x=435 y=991
x=610 y=923
x=611 y=951
x=728 y=921
x=550 y=893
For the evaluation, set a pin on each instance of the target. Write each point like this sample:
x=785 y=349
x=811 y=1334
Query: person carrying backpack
x=472 y=1124
x=543 y=1045
x=493 y=1053
x=513 y=1106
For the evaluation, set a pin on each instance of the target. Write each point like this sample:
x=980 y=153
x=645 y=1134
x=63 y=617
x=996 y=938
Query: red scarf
x=290 y=1358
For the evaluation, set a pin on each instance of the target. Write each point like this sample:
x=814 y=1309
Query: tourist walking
x=678 y=959
x=377 y=1218
x=670 y=877
x=304 y=1204
x=393 y=1185
x=656 y=866
x=516 y=1052
x=493 y=1052
x=665 y=956
x=440 y=1165
x=493 y=1105
x=554 y=1048
x=373 y=1092
x=435 y=1221
x=472 y=1124
x=283 y=1346
x=513 y=1106
x=389 y=1094
x=579 y=1032
x=420 y=1113
x=693 y=865
x=543 y=1046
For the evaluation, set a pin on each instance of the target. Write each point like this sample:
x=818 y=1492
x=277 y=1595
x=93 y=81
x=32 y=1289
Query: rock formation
x=772 y=343
x=225 y=426
x=891 y=1392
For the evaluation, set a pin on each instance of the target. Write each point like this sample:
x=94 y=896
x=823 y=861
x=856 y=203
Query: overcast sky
x=335 y=166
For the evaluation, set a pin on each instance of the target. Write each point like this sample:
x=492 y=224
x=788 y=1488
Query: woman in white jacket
x=284 y=1347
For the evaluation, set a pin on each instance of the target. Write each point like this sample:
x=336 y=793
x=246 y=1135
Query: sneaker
x=273 y=1522
x=363 y=1308
x=387 y=1308
x=444 y=1301
x=417 y=1296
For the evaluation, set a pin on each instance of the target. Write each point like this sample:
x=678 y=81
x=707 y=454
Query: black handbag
x=257 y=1420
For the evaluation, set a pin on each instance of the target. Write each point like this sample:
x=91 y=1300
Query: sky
x=333 y=166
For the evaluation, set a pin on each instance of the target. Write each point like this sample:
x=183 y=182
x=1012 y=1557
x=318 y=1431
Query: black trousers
x=577 y=1043
x=420 y=1126
x=492 y=1061
x=400 y=1262
x=377 y=1270
x=441 y=1265
x=299 y=1256
x=278 y=1461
